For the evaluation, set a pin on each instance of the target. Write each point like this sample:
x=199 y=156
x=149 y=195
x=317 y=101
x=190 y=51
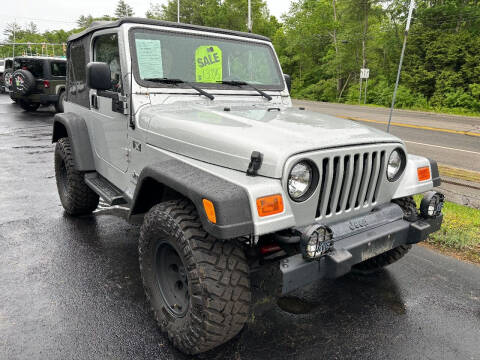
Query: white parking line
x=443 y=147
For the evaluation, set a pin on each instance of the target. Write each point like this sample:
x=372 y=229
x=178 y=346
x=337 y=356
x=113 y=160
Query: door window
x=105 y=49
x=58 y=68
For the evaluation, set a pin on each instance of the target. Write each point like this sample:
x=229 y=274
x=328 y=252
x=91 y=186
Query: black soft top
x=144 y=21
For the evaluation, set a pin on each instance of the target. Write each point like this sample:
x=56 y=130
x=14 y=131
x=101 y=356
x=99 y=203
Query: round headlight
x=396 y=164
x=300 y=180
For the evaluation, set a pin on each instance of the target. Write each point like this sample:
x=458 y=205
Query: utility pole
x=409 y=19
x=14 y=40
x=178 y=11
x=249 y=24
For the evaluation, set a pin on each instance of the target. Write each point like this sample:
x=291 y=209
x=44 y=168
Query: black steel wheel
x=172 y=279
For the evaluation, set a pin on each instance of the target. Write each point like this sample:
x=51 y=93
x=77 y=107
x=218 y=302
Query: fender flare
x=74 y=127
x=59 y=89
x=231 y=202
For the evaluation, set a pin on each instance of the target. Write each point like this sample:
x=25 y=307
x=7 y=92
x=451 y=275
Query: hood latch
x=256 y=160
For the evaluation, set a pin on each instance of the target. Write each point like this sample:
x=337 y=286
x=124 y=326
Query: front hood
x=226 y=135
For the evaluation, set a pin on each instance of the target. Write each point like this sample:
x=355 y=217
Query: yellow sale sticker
x=208 y=64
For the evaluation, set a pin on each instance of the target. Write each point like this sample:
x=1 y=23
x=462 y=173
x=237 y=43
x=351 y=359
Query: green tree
x=10 y=29
x=123 y=9
x=85 y=21
x=229 y=14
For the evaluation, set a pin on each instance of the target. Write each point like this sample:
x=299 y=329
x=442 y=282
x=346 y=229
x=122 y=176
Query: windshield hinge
x=256 y=160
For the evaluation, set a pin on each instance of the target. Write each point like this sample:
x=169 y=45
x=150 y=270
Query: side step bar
x=106 y=190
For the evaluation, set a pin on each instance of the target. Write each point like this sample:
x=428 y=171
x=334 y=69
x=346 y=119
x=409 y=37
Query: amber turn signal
x=210 y=211
x=270 y=205
x=423 y=173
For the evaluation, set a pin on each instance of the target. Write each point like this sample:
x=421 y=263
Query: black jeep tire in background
x=7 y=75
x=59 y=103
x=23 y=82
x=75 y=195
x=380 y=261
x=197 y=286
x=27 y=105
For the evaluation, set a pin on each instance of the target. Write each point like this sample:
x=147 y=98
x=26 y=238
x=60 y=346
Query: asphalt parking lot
x=70 y=287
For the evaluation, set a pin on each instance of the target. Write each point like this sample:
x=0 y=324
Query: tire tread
x=220 y=287
x=79 y=198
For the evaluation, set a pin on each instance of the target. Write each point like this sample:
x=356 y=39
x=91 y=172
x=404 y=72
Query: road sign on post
x=364 y=73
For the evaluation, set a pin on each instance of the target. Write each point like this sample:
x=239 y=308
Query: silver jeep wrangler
x=192 y=130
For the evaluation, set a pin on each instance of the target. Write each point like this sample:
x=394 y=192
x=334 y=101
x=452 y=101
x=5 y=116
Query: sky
x=54 y=14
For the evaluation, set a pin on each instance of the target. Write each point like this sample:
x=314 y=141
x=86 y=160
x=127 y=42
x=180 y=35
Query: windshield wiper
x=244 y=83
x=179 y=81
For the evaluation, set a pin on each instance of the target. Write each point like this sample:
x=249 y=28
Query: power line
x=38 y=19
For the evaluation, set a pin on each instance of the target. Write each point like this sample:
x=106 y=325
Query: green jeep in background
x=38 y=81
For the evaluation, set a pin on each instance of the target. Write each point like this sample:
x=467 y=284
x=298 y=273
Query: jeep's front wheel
x=197 y=285
x=75 y=195
x=28 y=106
x=410 y=213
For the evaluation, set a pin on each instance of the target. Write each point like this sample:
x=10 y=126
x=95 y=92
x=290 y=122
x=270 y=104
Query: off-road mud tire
x=380 y=261
x=409 y=207
x=28 y=106
x=59 y=104
x=216 y=271
x=76 y=197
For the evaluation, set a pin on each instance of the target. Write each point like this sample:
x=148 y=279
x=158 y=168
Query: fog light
x=316 y=242
x=432 y=204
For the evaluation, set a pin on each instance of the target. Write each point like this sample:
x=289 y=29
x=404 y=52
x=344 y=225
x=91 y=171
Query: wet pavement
x=70 y=287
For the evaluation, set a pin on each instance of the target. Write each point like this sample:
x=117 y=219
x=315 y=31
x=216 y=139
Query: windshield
x=205 y=60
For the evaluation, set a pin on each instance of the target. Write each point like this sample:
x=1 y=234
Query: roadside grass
x=456 y=173
x=437 y=110
x=460 y=232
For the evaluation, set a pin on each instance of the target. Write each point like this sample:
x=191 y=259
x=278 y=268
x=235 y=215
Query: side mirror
x=288 y=80
x=98 y=76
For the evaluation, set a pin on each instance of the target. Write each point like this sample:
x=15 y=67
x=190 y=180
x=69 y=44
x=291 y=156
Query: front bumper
x=352 y=245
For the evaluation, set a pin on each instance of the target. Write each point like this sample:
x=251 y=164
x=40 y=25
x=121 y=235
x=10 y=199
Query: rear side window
x=77 y=90
x=105 y=49
x=32 y=65
x=58 y=68
x=78 y=69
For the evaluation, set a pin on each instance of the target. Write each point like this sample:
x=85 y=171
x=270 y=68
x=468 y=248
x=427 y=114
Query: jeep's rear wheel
x=76 y=197
x=59 y=103
x=28 y=106
x=197 y=285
